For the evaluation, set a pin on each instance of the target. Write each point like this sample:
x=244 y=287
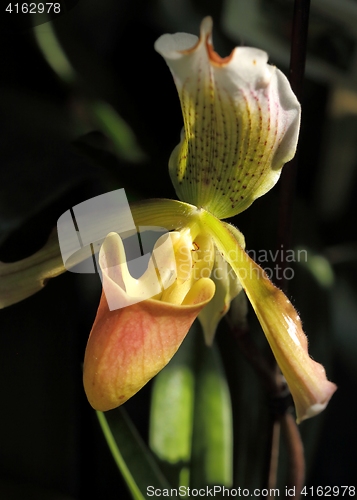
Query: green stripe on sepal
x=212 y=445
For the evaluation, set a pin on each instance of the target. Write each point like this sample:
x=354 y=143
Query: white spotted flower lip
x=241 y=122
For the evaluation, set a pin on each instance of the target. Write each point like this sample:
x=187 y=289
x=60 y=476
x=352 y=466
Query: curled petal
x=227 y=287
x=128 y=346
x=281 y=324
x=241 y=122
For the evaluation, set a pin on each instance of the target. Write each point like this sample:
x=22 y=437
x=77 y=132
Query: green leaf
x=191 y=417
x=53 y=52
x=171 y=416
x=122 y=136
x=105 y=117
x=317 y=265
x=133 y=458
x=212 y=446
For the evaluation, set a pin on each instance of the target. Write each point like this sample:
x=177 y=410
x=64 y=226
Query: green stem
x=286 y=201
x=119 y=460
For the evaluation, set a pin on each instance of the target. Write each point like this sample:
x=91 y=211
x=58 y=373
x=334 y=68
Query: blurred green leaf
x=53 y=52
x=118 y=131
x=318 y=265
x=105 y=117
x=191 y=416
x=133 y=458
x=39 y=165
x=171 y=417
x=212 y=445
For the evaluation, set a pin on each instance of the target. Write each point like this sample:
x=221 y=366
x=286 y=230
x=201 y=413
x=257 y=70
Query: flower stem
x=288 y=176
x=295 y=448
x=289 y=428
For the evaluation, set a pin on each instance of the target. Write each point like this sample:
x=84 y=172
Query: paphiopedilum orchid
x=241 y=124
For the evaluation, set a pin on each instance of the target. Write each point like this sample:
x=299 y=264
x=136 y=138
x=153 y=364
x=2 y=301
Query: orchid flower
x=241 y=125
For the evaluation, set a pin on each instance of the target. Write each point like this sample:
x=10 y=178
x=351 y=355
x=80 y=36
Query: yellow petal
x=281 y=324
x=241 y=122
x=227 y=287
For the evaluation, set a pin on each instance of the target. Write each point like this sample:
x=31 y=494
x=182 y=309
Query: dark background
x=54 y=154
